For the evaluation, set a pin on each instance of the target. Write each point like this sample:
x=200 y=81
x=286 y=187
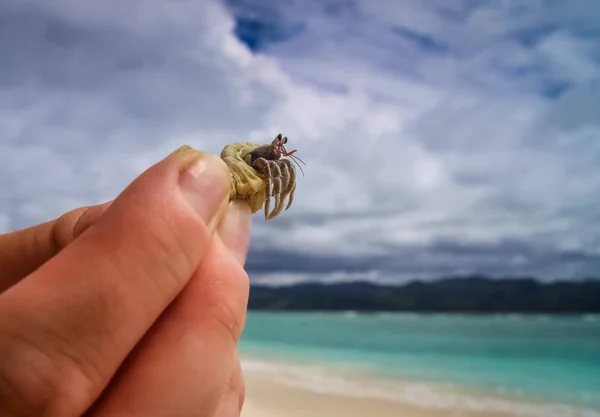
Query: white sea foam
x=328 y=379
x=591 y=317
x=350 y=314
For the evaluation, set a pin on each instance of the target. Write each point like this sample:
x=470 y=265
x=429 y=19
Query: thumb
x=67 y=327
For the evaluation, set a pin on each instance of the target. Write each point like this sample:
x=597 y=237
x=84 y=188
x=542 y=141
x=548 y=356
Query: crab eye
x=285 y=140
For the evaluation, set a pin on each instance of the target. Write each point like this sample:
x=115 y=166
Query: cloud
x=439 y=138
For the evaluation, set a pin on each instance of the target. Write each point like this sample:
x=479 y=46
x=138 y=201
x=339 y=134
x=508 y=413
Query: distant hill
x=467 y=295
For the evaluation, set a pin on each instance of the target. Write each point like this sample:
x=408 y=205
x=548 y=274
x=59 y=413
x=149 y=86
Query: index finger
x=25 y=250
x=186 y=360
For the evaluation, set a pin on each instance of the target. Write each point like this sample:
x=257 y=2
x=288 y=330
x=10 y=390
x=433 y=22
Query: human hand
x=133 y=307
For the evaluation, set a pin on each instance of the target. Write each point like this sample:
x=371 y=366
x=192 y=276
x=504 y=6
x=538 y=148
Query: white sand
x=292 y=390
x=266 y=398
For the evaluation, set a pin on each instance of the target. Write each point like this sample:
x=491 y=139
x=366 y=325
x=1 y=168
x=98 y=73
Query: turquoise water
x=535 y=357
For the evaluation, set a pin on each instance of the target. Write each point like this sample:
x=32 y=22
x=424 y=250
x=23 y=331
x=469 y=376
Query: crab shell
x=246 y=183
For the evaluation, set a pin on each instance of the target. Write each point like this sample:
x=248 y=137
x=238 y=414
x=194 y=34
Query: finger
x=66 y=328
x=234 y=229
x=23 y=251
x=234 y=395
x=187 y=358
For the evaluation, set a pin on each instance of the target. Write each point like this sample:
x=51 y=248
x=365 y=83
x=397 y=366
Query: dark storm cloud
x=443 y=259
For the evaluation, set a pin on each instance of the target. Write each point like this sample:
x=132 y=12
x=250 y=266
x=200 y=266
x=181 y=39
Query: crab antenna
x=294 y=156
x=301 y=170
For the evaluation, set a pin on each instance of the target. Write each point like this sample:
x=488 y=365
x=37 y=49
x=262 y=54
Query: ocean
x=530 y=365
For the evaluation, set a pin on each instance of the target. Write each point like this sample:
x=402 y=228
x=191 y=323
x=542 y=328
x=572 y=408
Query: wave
x=339 y=381
x=591 y=317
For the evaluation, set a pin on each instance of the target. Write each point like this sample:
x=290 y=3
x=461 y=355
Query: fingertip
x=88 y=218
x=235 y=229
x=204 y=182
x=72 y=224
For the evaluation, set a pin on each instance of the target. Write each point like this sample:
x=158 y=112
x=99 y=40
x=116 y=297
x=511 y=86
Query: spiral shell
x=246 y=183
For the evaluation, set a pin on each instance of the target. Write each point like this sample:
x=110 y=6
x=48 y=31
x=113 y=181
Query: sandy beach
x=265 y=398
x=278 y=389
x=268 y=399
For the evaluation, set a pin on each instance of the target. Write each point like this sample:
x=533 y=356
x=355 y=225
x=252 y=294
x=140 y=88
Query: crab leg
x=262 y=165
x=291 y=199
x=291 y=181
x=283 y=185
x=277 y=195
x=277 y=186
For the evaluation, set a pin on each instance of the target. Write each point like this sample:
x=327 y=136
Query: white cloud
x=419 y=122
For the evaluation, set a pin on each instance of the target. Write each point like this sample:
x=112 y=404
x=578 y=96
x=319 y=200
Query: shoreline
x=276 y=387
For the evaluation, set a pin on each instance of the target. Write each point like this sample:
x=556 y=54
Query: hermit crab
x=258 y=173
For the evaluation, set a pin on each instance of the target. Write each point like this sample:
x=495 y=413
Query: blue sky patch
x=257 y=33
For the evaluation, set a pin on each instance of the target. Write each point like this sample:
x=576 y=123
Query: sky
x=441 y=137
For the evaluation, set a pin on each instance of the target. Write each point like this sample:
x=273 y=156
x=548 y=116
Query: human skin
x=133 y=307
